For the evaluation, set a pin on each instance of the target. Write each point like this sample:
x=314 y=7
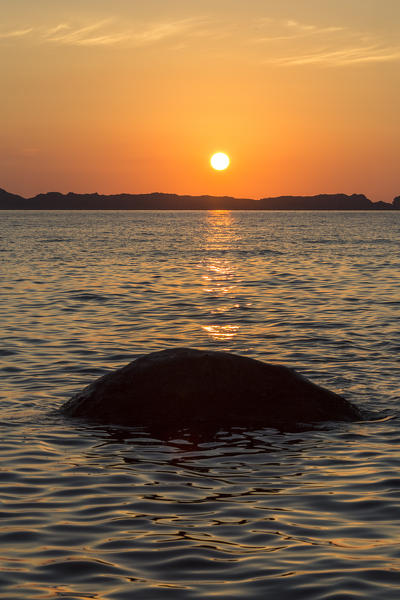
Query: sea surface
x=113 y=513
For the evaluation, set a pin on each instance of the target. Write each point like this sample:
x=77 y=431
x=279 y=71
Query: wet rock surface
x=183 y=387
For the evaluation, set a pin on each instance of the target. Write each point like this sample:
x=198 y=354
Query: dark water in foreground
x=113 y=514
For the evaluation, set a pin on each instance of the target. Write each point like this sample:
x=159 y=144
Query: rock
x=199 y=389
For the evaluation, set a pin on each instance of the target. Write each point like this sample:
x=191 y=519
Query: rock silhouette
x=183 y=387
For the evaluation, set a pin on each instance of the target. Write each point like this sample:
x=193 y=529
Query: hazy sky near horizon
x=133 y=96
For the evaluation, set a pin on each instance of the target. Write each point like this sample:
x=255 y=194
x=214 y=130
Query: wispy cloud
x=160 y=31
x=57 y=29
x=106 y=32
x=17 y=33
x=279 y=42
x=110 y=32
x=333 y=45
x=306 y=28
x=276 y=30
x=344 y=57
x=95 y=34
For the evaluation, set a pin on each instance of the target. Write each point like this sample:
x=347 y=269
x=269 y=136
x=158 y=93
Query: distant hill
x=10 y=201
x=160 y=201
x=320 y=202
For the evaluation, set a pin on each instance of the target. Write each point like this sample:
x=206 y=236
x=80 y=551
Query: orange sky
x=135 y=96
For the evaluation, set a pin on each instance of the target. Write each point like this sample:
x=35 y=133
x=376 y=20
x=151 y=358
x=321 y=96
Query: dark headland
x=160 y=201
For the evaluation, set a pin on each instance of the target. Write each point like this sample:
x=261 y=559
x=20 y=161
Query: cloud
x=278 y=30
x=89 y=35
x=58 y=28
x=18 y=33
x=160 y=31
x=341 y=46
x=344 y=57
x=107 y=33
x=305 y=28
x=111 y=32
x=279 y=42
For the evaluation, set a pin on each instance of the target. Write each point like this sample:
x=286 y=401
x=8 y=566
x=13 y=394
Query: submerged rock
x=183 y=387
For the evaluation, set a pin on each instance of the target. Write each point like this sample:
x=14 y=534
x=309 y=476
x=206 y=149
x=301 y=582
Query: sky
x=134 y=96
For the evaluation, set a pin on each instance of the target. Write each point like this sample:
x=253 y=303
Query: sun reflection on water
x=221 y=333
x=219 y=276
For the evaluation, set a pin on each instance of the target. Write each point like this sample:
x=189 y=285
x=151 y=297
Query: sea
x=97 y=512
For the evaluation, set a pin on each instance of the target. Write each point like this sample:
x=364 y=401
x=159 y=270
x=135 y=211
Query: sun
x=220 y=161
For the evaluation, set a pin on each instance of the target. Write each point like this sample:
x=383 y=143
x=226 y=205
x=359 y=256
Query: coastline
x=162 y=201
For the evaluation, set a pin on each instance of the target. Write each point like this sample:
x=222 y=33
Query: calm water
x=114 y=514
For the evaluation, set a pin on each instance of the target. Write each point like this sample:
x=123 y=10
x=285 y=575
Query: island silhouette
x=162 y=201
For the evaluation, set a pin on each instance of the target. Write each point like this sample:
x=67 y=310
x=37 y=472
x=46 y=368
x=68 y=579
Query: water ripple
x=115 y=513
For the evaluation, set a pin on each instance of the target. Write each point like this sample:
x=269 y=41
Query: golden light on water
x=221 y=333
x=220 y=276
x=220 y=161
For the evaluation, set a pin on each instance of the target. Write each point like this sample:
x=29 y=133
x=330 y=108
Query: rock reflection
x=220 y=278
